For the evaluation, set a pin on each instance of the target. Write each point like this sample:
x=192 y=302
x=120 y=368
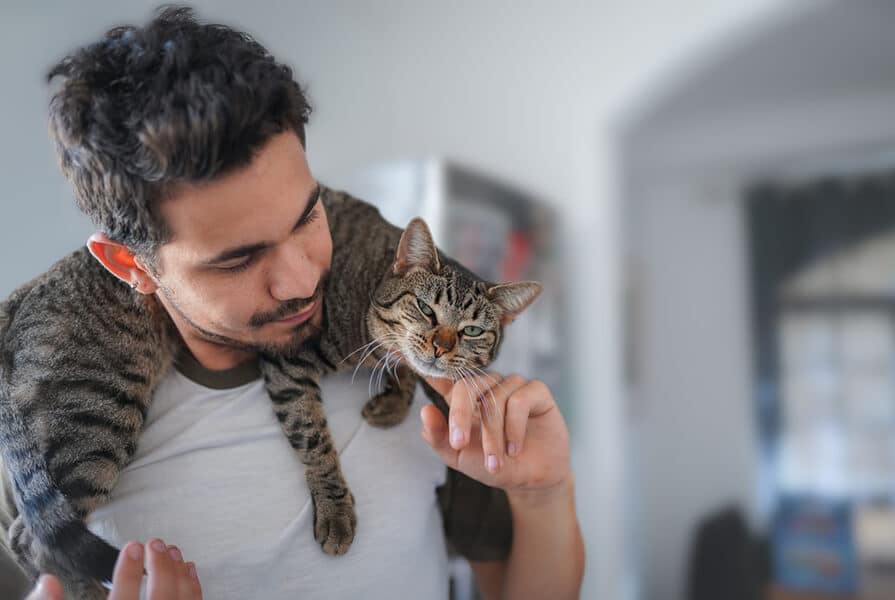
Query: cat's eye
x=427 y=310
x=472 y=331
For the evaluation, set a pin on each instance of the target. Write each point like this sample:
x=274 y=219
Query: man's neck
x=214 y=357
x=211 y=355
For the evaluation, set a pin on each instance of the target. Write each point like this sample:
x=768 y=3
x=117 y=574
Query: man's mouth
x=301 y=316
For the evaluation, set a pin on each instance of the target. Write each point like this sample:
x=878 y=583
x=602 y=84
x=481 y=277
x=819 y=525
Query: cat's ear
x=513 y=298
x=416 y=249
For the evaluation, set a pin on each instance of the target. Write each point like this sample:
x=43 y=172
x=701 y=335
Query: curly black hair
x=148 y=108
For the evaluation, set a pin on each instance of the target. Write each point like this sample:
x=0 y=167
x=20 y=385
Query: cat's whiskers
x=471 y=387
x=490 y=377
x=384 y=369
x=395 y=364
x=392 y=336
x=489 y=408
x=385 y=342
x=363 y=347
x=373 y=375
x=469 y=392
x=370 y=348
x=380 y=368
x=376 y=345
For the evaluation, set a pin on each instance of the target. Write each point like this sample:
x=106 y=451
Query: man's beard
x=304 y=335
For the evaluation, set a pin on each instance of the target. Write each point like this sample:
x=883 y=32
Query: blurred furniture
x=726 y=560
x=823 y=280
x=777 y=593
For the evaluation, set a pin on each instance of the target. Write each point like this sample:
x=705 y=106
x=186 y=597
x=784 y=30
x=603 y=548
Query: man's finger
x=491 y=403
x=516 y=422
x=128 y=573
x=195 y=586
x=47 y=588
x=441 y=385
x=162 y=574
x=539 y=398
x=463 y=405
x=435 y=432
x=496 y=392
x=184 y=586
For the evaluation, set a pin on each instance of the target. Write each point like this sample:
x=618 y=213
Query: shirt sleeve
x=477 y=519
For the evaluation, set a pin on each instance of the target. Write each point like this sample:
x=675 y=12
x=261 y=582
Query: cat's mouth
x=427 y=366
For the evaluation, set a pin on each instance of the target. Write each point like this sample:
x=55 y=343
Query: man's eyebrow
x=247 y=249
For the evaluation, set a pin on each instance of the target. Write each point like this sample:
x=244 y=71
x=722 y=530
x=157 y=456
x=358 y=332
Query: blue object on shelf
x=813 y=545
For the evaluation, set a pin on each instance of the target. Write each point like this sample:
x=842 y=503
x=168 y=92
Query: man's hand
x=508 y=433
x=504 y=432
x=170 y=578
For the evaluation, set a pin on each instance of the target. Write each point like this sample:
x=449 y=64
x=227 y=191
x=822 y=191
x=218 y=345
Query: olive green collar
x=223 y=379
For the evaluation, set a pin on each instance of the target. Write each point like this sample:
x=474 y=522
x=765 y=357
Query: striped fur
x=80 y=355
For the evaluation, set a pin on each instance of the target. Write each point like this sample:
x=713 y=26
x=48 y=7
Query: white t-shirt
x=214 y=474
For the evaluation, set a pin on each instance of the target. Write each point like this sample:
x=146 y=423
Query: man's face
x=248 y=254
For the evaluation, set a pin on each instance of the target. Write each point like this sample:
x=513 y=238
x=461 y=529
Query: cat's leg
x=392 y=405
x=84 y=589
x=20 y=544
x=75 y=586
x=295 y=394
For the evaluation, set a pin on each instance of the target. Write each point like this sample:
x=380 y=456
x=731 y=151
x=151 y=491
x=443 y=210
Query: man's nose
x=293 y=275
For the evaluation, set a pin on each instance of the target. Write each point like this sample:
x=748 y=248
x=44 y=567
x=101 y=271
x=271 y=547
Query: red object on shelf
x=516 y=260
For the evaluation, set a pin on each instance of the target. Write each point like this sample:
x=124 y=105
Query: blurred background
x=706 y=187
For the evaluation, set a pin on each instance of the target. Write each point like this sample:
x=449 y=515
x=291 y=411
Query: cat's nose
x=444 y=340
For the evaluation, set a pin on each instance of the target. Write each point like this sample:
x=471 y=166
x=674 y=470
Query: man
x=186 y=146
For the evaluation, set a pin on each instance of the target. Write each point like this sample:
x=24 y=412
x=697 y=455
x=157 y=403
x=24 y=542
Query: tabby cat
x=81 y=353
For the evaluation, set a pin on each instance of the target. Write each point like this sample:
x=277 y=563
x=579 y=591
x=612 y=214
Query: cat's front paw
x=386 y=409
x=334 y=523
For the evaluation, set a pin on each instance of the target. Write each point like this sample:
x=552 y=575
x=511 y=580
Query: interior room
x=704 y=190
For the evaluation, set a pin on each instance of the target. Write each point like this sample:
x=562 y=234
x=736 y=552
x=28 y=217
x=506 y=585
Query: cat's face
x=442 y=320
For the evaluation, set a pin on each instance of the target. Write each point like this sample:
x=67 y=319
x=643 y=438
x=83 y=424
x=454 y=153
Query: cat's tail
x=58 y=535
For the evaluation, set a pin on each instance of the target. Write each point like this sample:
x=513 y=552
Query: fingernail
x=158 y=545
x=135 y=551
x=192 y=569
x=174 y=553
x=41 y=583
x=492 y=463
x=511 y=448
x=456 y=435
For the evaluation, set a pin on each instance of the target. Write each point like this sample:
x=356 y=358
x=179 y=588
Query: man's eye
x=309 y=218
x=237 y=267
x=472 y=331
x=427 y=310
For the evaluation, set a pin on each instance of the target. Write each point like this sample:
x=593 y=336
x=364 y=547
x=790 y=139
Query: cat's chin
x=426 y=369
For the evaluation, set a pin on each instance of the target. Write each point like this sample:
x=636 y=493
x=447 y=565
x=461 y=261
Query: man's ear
x=120 y=261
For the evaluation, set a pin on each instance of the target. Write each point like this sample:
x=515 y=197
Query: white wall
x=529 y=91
x=692 y=411
x=686 y=160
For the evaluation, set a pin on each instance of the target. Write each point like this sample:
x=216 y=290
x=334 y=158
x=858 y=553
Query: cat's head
x=442 y=319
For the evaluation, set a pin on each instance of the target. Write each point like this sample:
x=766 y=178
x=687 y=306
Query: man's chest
x=214 y=474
